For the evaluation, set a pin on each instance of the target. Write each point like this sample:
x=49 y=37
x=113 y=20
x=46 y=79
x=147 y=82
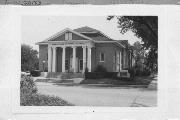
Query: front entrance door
x=76 y=64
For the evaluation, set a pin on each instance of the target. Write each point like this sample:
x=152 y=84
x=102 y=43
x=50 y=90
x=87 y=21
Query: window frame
x=66 y=66
x=101 y=57
x=68 y=36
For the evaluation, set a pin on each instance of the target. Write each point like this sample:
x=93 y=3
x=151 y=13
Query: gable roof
x=93 y=33
x=89 y=34
x=86 y=29
x=62 y=32
x=66 y=30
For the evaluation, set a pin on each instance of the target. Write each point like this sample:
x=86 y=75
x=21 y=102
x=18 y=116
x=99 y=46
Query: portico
x=75 y=50
x=69 y=55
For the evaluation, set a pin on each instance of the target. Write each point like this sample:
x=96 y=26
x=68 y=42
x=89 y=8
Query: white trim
x=85 y=41
x=41 y=43
x=120 y=44
x=89 y=58
x=84 y=58
x=66 y=41
x=54 y=59
x=104 y=41
x=74 y=59
x=110 y=42
x=63 y=58
x=88 y=44
x=100 y=57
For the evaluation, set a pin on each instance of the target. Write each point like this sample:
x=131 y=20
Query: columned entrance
x=73 y=57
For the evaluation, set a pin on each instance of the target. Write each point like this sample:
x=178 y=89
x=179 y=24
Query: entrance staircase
x=64 y=76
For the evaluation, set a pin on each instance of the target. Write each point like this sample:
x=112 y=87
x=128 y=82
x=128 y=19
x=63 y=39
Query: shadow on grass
x=136 y=81
x=54 y=81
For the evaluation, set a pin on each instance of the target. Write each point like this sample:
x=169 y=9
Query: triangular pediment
x=62 y=36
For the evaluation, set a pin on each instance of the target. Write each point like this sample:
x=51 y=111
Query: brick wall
x=109 y=50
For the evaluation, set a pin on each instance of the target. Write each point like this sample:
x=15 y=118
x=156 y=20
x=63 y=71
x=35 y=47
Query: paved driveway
x=84 y=95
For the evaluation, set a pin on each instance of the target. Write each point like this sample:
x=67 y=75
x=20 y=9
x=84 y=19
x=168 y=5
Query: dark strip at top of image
x=93 y=2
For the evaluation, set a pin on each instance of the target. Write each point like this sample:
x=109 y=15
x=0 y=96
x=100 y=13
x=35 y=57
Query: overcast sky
x=38 y=28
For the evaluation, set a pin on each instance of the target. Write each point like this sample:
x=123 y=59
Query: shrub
x=43 y=100
x=110 y=74
x=100 y=69
x=124 y=79
x=146 y=73
x=86 y=70
x=99 y=75
x=93 y=75
x=132 y=72
x=35 y=73
x=29 y=96
x=27 y=86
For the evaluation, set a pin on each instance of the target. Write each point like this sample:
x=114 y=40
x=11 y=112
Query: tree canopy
x=144 y=27
x=29 y=58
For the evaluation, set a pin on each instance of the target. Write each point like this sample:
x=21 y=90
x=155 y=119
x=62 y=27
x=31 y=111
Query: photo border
x=86 y=10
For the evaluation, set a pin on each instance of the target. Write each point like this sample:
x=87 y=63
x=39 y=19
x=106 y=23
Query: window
x=102 y=57
x=68 y=36
x=80 y=64
x=66 y=64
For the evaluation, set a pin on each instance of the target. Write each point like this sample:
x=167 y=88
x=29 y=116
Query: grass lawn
x=136 y=81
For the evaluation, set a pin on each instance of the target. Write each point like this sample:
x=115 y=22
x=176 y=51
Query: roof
x=93 y=33
x=90 y=34
x=123 y=42
x=86 y=29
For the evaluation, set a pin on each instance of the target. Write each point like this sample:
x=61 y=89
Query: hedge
x=99 y=75
x=35 y=73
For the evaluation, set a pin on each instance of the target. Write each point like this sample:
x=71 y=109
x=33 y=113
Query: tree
x=29 y=58
x=139 y=53
x=144 y=27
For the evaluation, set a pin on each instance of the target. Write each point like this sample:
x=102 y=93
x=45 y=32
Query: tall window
x=66 y=64
x=68 y=36
x=81 y=64
x=102 y=57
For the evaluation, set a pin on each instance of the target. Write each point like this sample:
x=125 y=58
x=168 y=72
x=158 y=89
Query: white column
x=74 y=58
x=84 y=58
x=120 y=59
x=49 y=58
x=89 y=58
x=54 y=59
x=124 y=59
x=63 y=58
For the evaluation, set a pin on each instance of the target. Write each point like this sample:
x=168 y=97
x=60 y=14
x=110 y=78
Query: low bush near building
x=100 y=69
x=30 y=97
x=35 y=73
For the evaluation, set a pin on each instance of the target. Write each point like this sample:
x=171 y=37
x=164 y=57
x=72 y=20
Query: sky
x=38 y=28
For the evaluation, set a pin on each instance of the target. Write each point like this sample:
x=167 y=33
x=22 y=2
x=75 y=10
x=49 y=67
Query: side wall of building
x=43 y=56
x=109 y=50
